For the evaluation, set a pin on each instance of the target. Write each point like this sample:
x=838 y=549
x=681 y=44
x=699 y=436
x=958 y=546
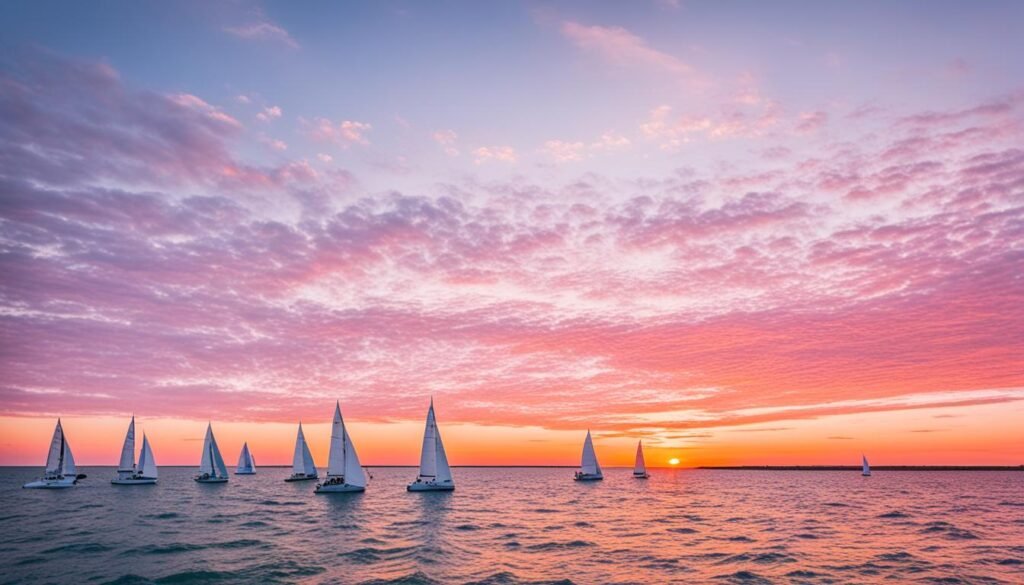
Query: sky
x=745 y=233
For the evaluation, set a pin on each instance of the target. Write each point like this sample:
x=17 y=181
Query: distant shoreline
x=873 y=467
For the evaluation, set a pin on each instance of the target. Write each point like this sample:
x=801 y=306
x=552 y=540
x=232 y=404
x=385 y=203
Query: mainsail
x=343 y=462
x=639 y=467
x=59 y=460
x=212 y=463
x=147 y=465
x=127 y=464
x=302 y=462
x=433 y=461
x=588 y=463
x=246 y=463
x=865 y=469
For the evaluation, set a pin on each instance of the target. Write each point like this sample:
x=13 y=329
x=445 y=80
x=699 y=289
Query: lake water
x=521 y=526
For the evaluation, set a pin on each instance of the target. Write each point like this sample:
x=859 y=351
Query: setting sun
x=673 y=461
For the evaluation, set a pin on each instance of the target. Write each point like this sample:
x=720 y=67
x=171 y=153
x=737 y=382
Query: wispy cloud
x=343 y=133
x=505 y=154
x=619 y=46
x=269 y=113
x=263 y=30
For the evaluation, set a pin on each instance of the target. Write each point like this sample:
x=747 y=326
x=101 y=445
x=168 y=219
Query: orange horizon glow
x=888 y=438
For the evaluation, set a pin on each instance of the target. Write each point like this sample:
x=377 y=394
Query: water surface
x=521 y=526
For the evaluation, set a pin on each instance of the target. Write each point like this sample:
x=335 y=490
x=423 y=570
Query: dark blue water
x=521 y=526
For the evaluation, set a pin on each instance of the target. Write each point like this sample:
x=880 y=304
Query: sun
x=673 y=461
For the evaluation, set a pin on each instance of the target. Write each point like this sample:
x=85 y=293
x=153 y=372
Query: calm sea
x=521 y=526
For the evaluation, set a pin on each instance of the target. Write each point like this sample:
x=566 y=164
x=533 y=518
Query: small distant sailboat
x=128 y=473
x=246 y=462
x=60 y=464
x=865 y=469
x=344 y=473
x=211 y=467
x=435 y=474
x=639 y=467
x=303 y=467
x=590 y=469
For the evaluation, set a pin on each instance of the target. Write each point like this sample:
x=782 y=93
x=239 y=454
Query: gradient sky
x=746 y=233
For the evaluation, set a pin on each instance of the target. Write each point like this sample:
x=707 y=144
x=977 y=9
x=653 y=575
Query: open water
x=505 y=526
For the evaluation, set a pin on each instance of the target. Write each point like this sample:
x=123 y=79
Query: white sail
x=68 y=469
x=218 y=461
x=354 y=474
x=127 y=464
x=428 y=454
x=212 y=463
x=639 y=467
x=336 y=455
x=206 y=462
x=54 y=458
x=444 y=472
x=588 y=463
x=865 y=469
x=302 y=462
x=344 y=461
x=59 y=460
x=246 y=463
x=147 y=464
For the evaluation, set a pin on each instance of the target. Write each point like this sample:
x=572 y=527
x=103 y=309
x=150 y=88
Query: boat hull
x=588 y=477
x=868 y=474
x=138 y=481
x=339 y=489
x=430 y=487
x=210 y=479
x=245 y=473
x=51 y=484
x=301 y=478
x=641 y=476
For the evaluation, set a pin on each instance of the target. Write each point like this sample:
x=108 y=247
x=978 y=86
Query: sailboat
x=435 y=474
x=590 y=469
x=639 y=467
x=303 y=468
x=60 y=464
x=128 y=473
x=344 y=473
x=865 y=469
x=211 y=467
x=246 y=462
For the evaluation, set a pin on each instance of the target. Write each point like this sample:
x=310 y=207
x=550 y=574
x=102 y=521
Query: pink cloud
x=505 y=154
x=447 y=139
x=621 y=47
x=810 y=122
x=269 y=113
x=263 y=31
x=343 y=133
x=562 y=151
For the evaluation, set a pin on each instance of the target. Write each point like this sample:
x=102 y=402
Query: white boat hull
x=588 y=477
x=429 y=486
x=342 y=488
x=134 y=481
x=51 y=484
x=301 y=478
